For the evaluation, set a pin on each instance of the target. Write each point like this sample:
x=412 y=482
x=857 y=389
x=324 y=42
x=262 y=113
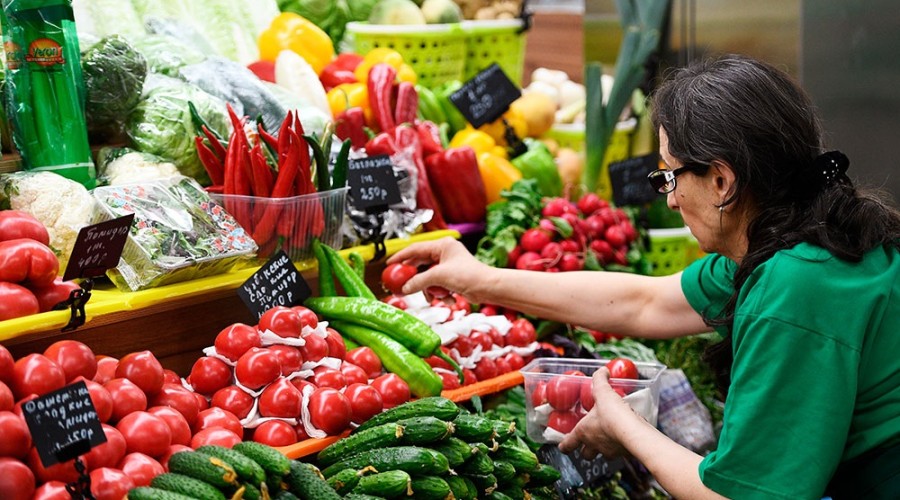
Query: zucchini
x=456 y=450
x=429 y=488
x=504 y=471
x=412 y=459
x=523 y=459
x=503 y=430
x=151 y=493
x=543 y=475
x=436 y=406
x=474 y=428
x=479 y=464
x=305 y=481
x=344 y=481
x=413 y=431
x=186 y=485
x=271 y=460
x=389 y=484
x=483 y=484
x=462 y=488
x=248 y=470
x=204 y=467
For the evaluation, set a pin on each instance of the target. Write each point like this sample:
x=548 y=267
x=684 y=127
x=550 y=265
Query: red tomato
x=450 y=381
x=315 y=348
x=483 y=339
x=587 y=395
x=6 y=365
x=301 y=432
x=539 y=394
x=236 y=339
x=202 y=403
x=170 y=377
x=257 y=368
x=469 y=377
x=17 y=409
x=110 y=484
x=393 y=389
x=178 y=426
x=145 y=433
x=282 y=321
x=366 y=359
x=16 y=301
x=275 y=433
x=7 y=401
x=328 y=377
x=622 y=368
x=127 y=398
x=175 y=448
x=53 y=294
x=143 y=369
x=140 y=468
x=300 y=384
x=217 y=417
x=307 y=316
x=36 y=374
x=562 y=421
x=336 y=346
x=290 y=358
x=353 y=374
x=178 y=398
x=234 y=400
x=521 y=334
x=103 y=403
x=516 y=362
x=563 y=392
x=16 y=438
x=16 y=224
x=106 y=369
x=64 y=472
x=280 y=399
x=109 y=453
x=485 y=369
x=209 y=374
x=16 y=480
x=53 y=490
x=395 y=275
x=365 y=402
x=329 y=410
x=215 y=436
x=75 y=358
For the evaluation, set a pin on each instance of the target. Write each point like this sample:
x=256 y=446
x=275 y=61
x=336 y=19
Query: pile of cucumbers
x=431 y=449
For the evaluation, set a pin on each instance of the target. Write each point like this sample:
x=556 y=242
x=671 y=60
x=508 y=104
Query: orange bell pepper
x=497 y=173
x=290 y=31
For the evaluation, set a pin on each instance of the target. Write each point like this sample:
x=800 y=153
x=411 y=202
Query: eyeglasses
x=663 y=180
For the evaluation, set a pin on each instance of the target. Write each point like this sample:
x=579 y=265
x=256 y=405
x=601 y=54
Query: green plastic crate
x=499 y=41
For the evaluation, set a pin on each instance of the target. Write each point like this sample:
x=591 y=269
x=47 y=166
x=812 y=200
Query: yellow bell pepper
x=476 y=139
x=290 y=31
x=407 y=74
x=391 y=57
x=347 y=95
x=497 y=173
x=497 y=130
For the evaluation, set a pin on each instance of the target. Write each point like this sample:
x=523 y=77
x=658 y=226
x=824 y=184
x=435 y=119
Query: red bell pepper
x=458 y=185
x=430 y=137
x=407 y=140
x=333 y=76
x=350 y=124
x=381 y=144
x=264 y=70
x=347 y=60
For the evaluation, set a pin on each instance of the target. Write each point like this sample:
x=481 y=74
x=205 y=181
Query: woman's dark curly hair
x=755 y=118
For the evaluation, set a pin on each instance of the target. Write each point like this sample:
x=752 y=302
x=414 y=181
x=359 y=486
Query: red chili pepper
x=284 y=138
x=407 y=139
x=215 y=143
x=430 y=137
x=212 y=164
x=350 y=124
x=269 y=139
x=381 y=86
x=262 y=174
x=284 y=186
x=407 y=103
x=458 y=185
x=304 y=168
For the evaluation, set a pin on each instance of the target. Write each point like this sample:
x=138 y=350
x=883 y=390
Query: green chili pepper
x=358 y=263
x=326 y=278
x=341 y=163
x=353 y=285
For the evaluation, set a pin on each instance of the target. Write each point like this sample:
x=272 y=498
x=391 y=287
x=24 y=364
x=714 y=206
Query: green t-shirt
x=816 y=373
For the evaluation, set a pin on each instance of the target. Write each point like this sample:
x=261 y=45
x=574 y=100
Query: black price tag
x=629 y=180
x=63 y=424
x=372 y=182
x=98 y=248
x=276 y=283
x=486 y=97
x=597 y=471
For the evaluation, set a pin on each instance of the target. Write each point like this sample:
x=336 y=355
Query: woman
x=802 y=281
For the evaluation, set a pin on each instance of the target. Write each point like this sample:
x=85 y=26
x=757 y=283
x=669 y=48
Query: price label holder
x=373 y=187
x=629 y=180
x=577 y=471
x=276 y=283
x=485 y=98
x=64 y=425
x=97 y=248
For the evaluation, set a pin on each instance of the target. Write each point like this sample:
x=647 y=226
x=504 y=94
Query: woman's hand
x=452 y=266
x=598 y=432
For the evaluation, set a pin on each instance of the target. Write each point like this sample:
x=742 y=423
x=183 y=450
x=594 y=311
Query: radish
x=555 y=207
x=590 y=203
x=615 y=236
x=570 y=246
x=603 y=250
x=535 y=239
x=570 y=262
x=530 y=261
x=547 y=225
x=594 y=227
x=513 y=256
x=552 y=251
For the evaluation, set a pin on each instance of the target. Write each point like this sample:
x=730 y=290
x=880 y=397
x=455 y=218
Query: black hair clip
x=831 y=167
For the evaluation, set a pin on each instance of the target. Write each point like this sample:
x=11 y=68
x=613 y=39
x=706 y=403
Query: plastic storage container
x=670 y=250
x=499 y=41
x=641 y=394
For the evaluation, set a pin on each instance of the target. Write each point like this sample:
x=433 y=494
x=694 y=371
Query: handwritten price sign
x=277 y=283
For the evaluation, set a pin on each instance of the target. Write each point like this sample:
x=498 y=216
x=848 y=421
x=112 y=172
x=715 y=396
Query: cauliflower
x=125 y=166
x=62 y=205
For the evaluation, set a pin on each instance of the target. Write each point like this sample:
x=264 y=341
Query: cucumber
x=474 y=428
x=360 y=496
x=248 y=470
x=542 y=493
x=306 y=481
x=271 y=460
x=503 y=430
x=514 y=492
x=249 y=492
x=150 y=493
x=479 y=464
x=413 y=431
x=435 y=406
x=344 y=481
x=504 y=471
x=483 y=484
x=204 y=467
x=430 y=488
x=412 y=459
x=523 y=459
x=285 y=495
x=543 y=475
x=186 y=485
x=498 y=495
x=462 y=488
x=456 y=450
x=390 y=484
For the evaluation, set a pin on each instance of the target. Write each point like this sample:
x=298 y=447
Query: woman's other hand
x=597 y=432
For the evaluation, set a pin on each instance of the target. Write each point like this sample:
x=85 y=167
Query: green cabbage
x=167 y=55
x=114 y=74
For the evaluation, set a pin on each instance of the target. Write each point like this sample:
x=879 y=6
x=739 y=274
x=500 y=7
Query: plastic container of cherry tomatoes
x=556 y=399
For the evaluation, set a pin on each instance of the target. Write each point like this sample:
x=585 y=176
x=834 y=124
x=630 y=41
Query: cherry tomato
x=587 y=395
x=145 y=433
x=109 y=453
x=436 y=362
x=143 y=369
x=110 y=484
x=257 y=368
x=365 y=402
x=464 y=345
x=315 y=348
x=307 y=316
x=469 y=377
x=217 y=417
x=449 y=380
x=365 y=358
x=53 y=294
x=209 y=374
x=521 y=334
x=16 y=438
x=329 y=377
x=280 y=399
x=353 y=374
x=127 y=398
x=75 y=358
x=395 y=275
x=7 y=400
x=396 y=301
x=563 y=392
x=461 y=304
x=329 y=410
x=622 y=368
x=437 y=292
x=170 y=377
x=516 y=362
x=178 y=426
x=36 y=374
x=562 y=421
x=234 y=400
x=485 y=369
x=275 y=433
x=53 y=490
x=502 y=365
x=497 y=338
x=290 y=358
x=16 y=480
x=282 y=321
x=64 y=472
x=106 y=369
x=393 y=389
x=336 y=346
x=215 y=436
x=539 y=394
x=233 y=341
x=179 y=399
x=483 y=339
x=140 y=468
x=175 y=448
x=6 y=365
